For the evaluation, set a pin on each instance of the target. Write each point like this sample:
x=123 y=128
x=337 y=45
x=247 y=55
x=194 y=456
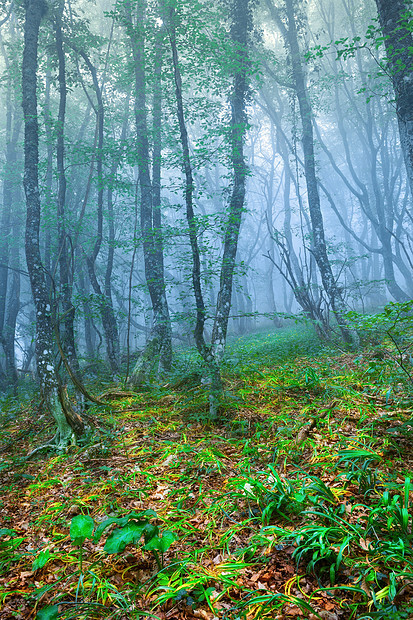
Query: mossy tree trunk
x=159 y=344
x=396 y=18
x=67 y=426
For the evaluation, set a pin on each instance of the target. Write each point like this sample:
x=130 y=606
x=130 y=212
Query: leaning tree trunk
x=205 y=351
x=291 y=37
x=158 y=346
x=107 y=312
x=212 y=355
x=49 y=383
x=112 y=237
x=396 y=23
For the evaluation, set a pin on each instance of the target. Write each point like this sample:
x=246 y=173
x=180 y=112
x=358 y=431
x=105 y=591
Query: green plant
x=391 y=516
x=187 y=579
x=320 y=547
x=9 y=543
x=278 y=496
x=130 y=529
x=51 y=612
x=358 y=468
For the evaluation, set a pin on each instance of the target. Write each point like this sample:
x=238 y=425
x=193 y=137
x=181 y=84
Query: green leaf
x=102 y=526
x=6 y=532
x=121 y=521
x=41 y=560
x=161 y=543
x=81 y=528
x=48 y=613
x=150 y=532
x=119 y=538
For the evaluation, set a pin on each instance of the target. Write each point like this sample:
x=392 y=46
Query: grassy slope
x=297 y=505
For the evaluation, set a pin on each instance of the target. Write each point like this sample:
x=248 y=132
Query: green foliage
x=390 y=335
x=392 y=515
x=358 y=468
x=41 y=560
x=9 y=544
x=243 y=501
x=51 y=612
x=395 y=319
x=130 y=530
x=81 y=528
x=275 y=496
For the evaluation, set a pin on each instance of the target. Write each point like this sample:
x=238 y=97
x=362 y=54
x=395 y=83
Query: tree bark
x=49 y=383
x=9 y=250
x=158 y=346
x=212 y=355
x=240 y=28
x=395 y=19
x=290 y=34
x=110 y=328
x=67 y=323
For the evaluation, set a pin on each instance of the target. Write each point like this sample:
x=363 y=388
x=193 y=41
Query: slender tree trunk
x=240 y=28
x=13 y=307
x=290 y=34
x=115 y=339
x=158 y=346
x=49 y=383
x=396 y=23
x=110 y=328
x=166 y=351
x=90 y=348
x=205 y=351
x=48 y=202
x=9 y=249
x=67 y=323
x=212 y=355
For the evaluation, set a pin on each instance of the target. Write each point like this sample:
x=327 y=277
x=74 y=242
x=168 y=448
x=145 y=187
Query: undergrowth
x=296 y=505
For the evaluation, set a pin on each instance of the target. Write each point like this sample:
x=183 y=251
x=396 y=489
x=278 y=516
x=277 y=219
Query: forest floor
x=295 y=505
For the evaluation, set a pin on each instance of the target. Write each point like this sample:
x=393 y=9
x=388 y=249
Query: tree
x=240 y=30
x=68 y=423
x=396 y=20
x=10 y=224
x=103 y=294
x=159 y=344
x=373 y=174
x=67 y=323
x=289 y=30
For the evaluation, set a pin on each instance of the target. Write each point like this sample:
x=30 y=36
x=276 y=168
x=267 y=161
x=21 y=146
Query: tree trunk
x=290 y=34
x=9 y=248
x=395 y=19
x=158 y=346
x=67 y=324
x=205 y=351
x=49 y=383
x=240 y=28
x=110 y=328
x=212 y=355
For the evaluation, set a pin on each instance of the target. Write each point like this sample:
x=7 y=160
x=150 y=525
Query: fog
x=325 y=224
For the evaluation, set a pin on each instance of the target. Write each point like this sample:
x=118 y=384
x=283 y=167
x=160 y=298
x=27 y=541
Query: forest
x=206 y=309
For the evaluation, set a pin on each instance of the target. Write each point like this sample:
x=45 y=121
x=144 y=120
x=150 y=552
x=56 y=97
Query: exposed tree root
x=307 y=427
x=56 y=443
